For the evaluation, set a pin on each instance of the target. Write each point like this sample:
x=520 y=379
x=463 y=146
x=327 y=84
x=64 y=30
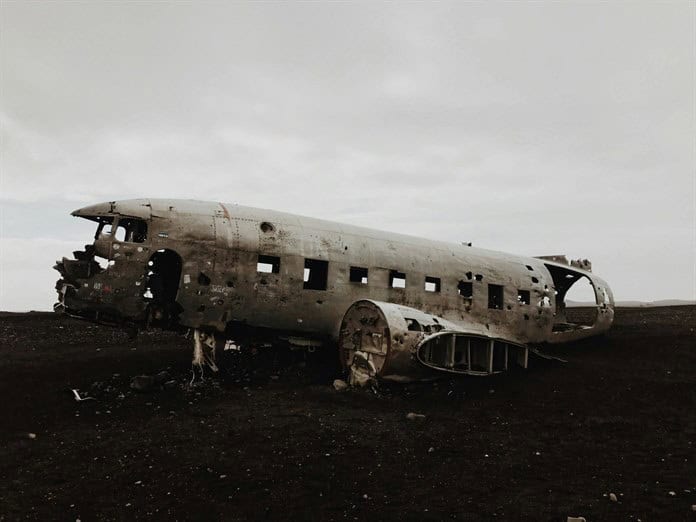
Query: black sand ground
x=270 y=441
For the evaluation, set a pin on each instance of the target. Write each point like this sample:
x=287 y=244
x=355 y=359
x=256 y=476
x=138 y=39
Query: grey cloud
x=523 y=127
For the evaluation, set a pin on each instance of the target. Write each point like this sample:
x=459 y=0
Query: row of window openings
x=316 y=273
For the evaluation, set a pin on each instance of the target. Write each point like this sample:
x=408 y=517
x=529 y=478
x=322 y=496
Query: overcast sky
x=539 y=128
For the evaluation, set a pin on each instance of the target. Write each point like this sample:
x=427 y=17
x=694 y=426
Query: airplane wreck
x=396 y=307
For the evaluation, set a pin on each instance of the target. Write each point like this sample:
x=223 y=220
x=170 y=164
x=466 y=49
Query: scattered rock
x=162 y=377
x=415 y=416
x=693 y=507
x=31 y=435
x=612 y=497
x=431 y=449
x=146 y=383
x=672 y=493
x=142 y=383
x=576 y=519
x=340 y=385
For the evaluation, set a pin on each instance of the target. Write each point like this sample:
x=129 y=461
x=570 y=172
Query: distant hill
x=637 y=304
x=569 y=304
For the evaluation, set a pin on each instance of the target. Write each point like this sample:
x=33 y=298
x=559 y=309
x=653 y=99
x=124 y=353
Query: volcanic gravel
x=269 y=438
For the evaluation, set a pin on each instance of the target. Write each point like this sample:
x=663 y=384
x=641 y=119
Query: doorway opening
x=163 y=276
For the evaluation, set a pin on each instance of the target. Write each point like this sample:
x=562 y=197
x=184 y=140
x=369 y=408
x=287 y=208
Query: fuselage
x=210 y=265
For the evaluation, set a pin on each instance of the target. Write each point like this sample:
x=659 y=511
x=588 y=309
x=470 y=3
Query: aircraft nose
x=99 y=209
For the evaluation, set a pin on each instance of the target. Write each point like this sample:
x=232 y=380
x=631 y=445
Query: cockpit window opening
x=120 y=234
x=131 y=230
x=104 y=229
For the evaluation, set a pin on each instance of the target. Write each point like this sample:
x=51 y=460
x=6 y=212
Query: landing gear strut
x=204 y=348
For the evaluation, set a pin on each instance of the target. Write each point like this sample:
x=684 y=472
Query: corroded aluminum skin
x=223 y=241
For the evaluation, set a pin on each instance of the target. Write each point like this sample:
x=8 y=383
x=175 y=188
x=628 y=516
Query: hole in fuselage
x=576 y=299
x=267 y=227
x=162 y=286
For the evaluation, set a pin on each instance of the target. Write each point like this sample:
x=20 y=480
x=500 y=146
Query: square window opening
x=432 y=284
x=466 y=289
x=495 y=297
x=316 y=274
x=397 y=279
x=523 y=297
x=268 y=264
x=358 y=275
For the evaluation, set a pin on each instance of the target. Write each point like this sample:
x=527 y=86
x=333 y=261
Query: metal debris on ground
x=76 y=394
x=362 y=371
